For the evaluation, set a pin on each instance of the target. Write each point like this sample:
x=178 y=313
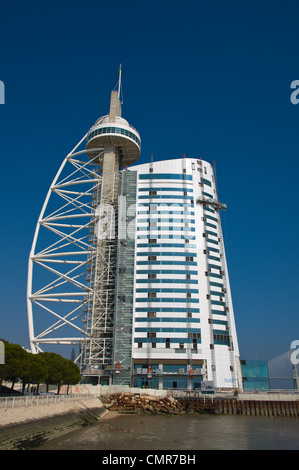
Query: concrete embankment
x=31 y=421
x=25 y=427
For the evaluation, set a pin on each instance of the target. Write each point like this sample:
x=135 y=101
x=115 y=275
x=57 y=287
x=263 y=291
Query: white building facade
x=183 y=327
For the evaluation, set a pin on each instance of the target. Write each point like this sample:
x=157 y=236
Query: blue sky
x=205 y=79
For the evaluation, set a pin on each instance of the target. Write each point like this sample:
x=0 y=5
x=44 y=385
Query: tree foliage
x=47 y=368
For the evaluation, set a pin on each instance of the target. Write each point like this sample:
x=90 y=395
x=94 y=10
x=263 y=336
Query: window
x=207 y=182
x=139 y=345
x=151 y=335
x=165 y=176
x=152 y=295
x=152 y=314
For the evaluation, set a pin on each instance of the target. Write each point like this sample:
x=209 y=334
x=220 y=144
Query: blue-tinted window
x=167 y=299
x=205 y=181
x=189 y=190
x=170 y=262
x=165 y=196
x=165 y=176
x=168 y=320
x=166 y=271
x=164 y=253
x=166 y=228
x=168 y=281
x=166 y=289
x=169 y=309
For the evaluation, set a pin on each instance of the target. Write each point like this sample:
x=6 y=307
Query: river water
x=182 y=433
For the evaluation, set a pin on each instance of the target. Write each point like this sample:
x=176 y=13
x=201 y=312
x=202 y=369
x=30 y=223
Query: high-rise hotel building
x=182 y=319
x=156 y=308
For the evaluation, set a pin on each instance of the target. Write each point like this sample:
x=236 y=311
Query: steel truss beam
x=59 y=289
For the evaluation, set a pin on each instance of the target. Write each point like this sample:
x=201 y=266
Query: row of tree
x=43 y=368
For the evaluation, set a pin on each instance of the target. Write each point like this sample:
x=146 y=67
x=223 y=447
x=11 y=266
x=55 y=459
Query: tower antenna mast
x=119 y=80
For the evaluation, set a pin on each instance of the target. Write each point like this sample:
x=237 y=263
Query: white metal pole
x=119 y=81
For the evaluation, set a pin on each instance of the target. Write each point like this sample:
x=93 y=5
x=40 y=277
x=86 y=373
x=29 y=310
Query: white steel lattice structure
x=63 y=294
x=72 y=263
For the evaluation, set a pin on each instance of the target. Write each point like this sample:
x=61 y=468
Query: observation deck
x=119 y=134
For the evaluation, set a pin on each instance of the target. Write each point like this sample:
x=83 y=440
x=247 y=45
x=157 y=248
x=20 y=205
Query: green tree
x=54 y=369
x=39 y=370
x=48 y=368
x=15 y=363
x=3 y=367
x=71 y=373
x=25 y=370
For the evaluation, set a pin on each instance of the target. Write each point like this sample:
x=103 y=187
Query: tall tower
x=72 y=270
x=112 y=144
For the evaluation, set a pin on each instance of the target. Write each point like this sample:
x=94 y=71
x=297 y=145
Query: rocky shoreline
x=135 y=403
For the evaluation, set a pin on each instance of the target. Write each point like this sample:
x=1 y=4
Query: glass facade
x=113 y=130
x=255 y=375
x=123 y=321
